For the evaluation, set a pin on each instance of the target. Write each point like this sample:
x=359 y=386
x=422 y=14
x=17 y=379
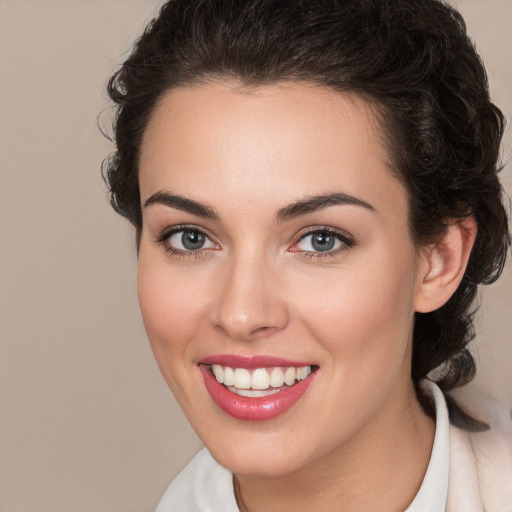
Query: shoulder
x=481 y=462
x=202 y=486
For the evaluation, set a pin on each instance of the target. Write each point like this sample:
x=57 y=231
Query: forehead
x=275 y=140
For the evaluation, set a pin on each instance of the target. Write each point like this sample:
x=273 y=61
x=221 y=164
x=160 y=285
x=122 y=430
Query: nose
x=249 y=303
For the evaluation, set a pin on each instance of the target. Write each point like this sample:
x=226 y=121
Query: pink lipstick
x=247 y=405
x=251 y=362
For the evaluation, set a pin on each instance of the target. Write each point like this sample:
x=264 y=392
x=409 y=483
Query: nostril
x=263 y=330
x=243 y=331
x=246 y=316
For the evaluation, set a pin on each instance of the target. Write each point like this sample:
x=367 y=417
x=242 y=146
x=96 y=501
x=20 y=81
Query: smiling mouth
x=259 y=382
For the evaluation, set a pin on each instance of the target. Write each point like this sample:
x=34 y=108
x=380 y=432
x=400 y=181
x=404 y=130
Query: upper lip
x=252 y=362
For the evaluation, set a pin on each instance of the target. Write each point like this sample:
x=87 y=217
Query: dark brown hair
x=411 y=58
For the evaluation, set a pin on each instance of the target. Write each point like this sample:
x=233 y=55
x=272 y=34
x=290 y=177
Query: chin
x=259 y=463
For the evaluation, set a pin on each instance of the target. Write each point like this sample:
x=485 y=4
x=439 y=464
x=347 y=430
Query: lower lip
x=254 y=408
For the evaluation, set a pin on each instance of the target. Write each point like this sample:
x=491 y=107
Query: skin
x=358 y=439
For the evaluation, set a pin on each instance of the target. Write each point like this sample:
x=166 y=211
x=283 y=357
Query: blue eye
x=322 y=241
x=188 y=240
x=191 y=240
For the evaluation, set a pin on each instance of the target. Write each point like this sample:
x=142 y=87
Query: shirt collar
x=434 y=488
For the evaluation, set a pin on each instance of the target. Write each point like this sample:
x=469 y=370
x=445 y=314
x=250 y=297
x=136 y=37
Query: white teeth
x=229 y=376
x=258 y=379
x=276 y=378
x=218 y=372
x=253 y=393
x=289 y=376
x=302 y=373
x=242 y=379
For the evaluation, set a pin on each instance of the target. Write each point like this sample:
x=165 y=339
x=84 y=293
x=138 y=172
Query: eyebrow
x=296 y=209
x=315 y=203
x=182 y=203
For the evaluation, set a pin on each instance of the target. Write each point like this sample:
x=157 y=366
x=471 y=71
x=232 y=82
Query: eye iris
x=192 y=240
x=322 y=242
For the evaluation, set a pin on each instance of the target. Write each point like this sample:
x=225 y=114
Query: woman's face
x=274 y=238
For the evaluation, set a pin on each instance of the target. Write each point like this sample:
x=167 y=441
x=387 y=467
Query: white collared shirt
x=448 y=485
x=434 y=489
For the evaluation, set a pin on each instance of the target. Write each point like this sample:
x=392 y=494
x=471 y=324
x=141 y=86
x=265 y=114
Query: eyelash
x=346 y=240
x=163 y=240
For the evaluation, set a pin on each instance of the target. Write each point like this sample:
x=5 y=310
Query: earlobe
x=443 y=265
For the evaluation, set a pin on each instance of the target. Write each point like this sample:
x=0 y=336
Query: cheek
x=171 y=306
x=364 y=315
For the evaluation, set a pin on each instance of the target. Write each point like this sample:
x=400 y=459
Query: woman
x=314 y=190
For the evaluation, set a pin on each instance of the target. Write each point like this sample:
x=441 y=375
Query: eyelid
x=165 y=235
x=171 y=230
x=343 y=236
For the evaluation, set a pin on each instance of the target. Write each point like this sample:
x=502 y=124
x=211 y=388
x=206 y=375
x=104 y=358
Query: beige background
x=86 y=422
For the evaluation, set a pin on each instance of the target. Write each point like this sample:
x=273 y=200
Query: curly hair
x=411 y=58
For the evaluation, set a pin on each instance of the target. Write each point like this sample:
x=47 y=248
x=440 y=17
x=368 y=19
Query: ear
x=443 y=264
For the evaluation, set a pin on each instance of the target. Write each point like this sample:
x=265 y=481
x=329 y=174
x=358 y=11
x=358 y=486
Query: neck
x=382 y=467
